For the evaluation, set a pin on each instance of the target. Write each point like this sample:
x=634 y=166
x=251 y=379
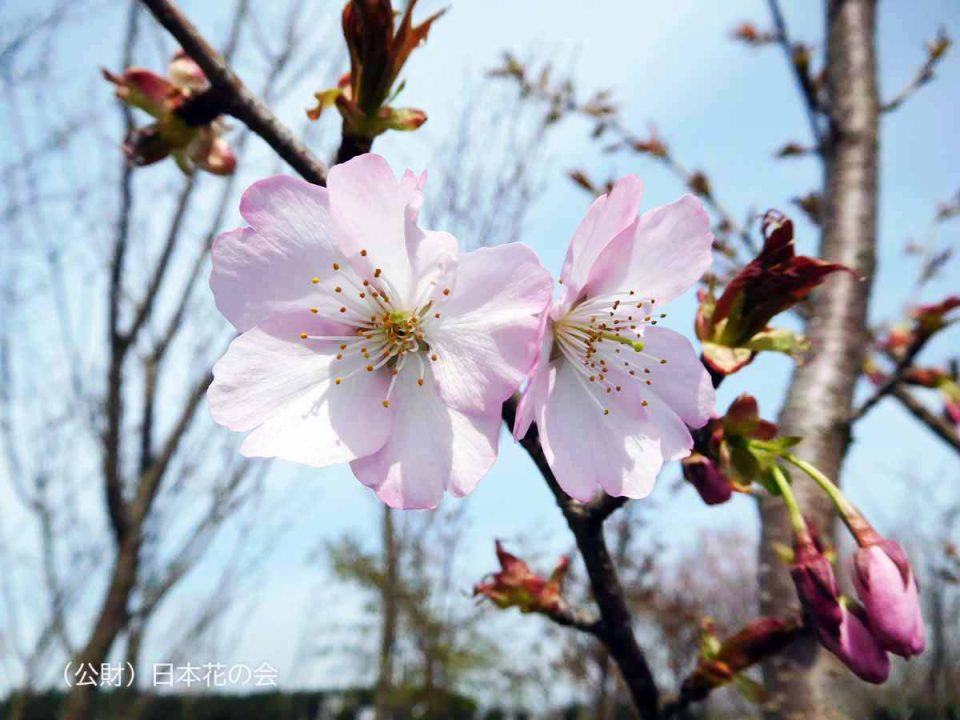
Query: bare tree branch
x=229 y=95
x=804 y=81
x=936 y=51
x=940 y=427
x=617 y=633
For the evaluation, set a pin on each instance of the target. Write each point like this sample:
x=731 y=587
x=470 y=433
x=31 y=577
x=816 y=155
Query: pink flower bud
x=701 y=472
x=857 y=647
x=816 y=586
x=886 y=586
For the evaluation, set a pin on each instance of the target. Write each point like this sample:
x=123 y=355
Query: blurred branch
x=940 y=427
x=561 y=100
x=113 y=489
x=936 y=51
x=895 y=378
x=228 y=95
x=798 y=57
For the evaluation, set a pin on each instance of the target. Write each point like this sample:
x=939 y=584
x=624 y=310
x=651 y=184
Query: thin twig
x=940 y=427
x=894 y=379
x=805 y=83
x=923 y=75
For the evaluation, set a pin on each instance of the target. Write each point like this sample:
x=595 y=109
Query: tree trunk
x=110 y=621
x=390 y=609
x=821 y=393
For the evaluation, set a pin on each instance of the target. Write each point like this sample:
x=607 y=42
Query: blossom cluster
x=367 y=339
x=886 y=620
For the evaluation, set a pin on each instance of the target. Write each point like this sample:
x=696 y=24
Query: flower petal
x=264 y=270
x=666 y=254
x=682 y=383
x=486 y=338
x=620 y=453
x=271 y=380
x=607 y=217
x=434 y=259
x=535 y=392
x=432 y=448
x=369 y=205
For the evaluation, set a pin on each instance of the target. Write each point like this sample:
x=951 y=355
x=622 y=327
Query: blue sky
x=722 y=107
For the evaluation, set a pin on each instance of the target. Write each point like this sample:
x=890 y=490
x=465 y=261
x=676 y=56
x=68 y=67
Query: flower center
x=383 y=333
x=602 y=338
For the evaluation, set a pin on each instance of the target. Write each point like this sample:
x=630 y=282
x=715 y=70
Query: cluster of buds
x=740 y=449
x=516 y=585
x=734 y=327
x=887 y=618
x=171 y=134
x=724 y=462
x=724 y=662
x=378 y=52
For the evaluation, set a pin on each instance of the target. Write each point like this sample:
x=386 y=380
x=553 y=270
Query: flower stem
x=796 y=517
x=846 y=510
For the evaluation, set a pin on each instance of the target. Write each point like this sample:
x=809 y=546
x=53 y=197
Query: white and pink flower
x=612 y=393
x=366 y=339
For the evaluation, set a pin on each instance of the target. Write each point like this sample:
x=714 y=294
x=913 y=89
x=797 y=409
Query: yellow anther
x=606 y=411
x=338 y=380
x=315 y=280
x=303 y=336
x=386 y=403
x=314 y=310
x=644 y=403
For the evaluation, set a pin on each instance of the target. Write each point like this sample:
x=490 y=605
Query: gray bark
x=820 y=397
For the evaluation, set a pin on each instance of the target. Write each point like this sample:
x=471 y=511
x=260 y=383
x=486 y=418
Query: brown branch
x=936 y=51
x=579 y=620
x=807 y=89
x=940 y=427
x=228 y=95
x=113 y=488
x=149 y=482
x=617 y=628
x=895 y=378
x=160 y=271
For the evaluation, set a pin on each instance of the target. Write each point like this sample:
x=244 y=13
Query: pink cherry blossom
x=612 y=392
x=887 y=587
x=366 y=339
